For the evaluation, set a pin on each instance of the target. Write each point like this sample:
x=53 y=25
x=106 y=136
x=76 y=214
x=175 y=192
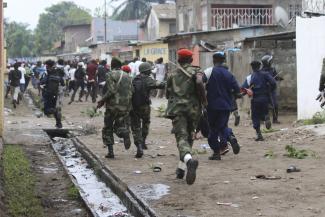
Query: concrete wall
x=153 y=51
x=76 y=36
x=310 y=54
x=284 y=62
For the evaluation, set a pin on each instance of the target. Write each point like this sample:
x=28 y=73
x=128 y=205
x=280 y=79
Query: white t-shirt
x=71 y=74
x=23 y=72
x=208 y=72
x=136 y=67
x=132 y=65
x=160 y=72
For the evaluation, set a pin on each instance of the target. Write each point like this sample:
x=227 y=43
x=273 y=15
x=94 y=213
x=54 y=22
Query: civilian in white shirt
x=22 y=80
x=71 y=77
x=132 y=66
x=160 y=75
x=137 y=64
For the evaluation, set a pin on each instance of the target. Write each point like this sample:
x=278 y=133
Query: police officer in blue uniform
x=267 y=61
x=258 y=85
x=220 y=88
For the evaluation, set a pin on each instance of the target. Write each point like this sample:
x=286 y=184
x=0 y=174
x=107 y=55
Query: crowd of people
x=197 y=100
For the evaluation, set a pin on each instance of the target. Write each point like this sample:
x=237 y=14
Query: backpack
x=53 y=83
x=140 y=96
x=79 y=74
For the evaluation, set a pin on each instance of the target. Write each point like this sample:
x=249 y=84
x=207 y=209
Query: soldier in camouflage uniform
x=184 y=108
x=142 y=84
x=118 y=105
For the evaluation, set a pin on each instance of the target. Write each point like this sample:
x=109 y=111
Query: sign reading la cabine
x=153 y=51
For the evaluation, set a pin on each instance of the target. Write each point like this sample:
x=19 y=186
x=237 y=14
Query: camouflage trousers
x=140 y=122
x=114 y=122
x=184 y=126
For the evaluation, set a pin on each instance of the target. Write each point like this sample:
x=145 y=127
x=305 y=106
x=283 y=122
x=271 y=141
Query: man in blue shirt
x=267 y=61
x=220 y=89
x=258 y=85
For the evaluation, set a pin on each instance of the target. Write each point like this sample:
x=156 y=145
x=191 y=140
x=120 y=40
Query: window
x=172 y=28
x=294 y=10
x=100 y=38
x=204 y=14
x=181 y=22
x=190 y=20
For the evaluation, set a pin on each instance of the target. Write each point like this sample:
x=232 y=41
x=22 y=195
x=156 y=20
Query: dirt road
x=223 y=188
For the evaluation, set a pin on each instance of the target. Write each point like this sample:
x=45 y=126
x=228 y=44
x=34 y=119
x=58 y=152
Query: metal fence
x=228 y=18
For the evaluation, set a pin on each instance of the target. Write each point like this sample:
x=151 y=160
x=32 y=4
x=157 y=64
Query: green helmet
x=145 y=68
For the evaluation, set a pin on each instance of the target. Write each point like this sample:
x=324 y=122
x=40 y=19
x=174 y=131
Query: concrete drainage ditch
x=104 y=193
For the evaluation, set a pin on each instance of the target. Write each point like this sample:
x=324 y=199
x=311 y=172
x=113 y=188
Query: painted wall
x=310 y=53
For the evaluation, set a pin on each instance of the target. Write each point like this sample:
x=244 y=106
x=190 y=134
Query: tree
x=19 y=39
x=133 y=9
x=50 y=24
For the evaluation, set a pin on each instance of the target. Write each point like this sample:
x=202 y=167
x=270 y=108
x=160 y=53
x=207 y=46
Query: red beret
x=185 y=53
x=126 y=68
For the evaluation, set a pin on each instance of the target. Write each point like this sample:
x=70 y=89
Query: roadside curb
x=136 y=206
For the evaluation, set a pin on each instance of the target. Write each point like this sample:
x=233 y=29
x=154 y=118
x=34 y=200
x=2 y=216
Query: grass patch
x=92 y=112
x=292 y=152
x=19 y=184
x=197 y=151
x=318 y=118
x=73 y=193
x=270 y=154
x=270 y=130
x=161 y=110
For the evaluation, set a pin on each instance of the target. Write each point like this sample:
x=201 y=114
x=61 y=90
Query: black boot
x=139 y=151
x=180 y=173
x=259 y=136
x=127 y=141
x=276 y=115
x=234 y=144
x=268 y=123
x=215 y=156
x=110 y=153
x=192 y=165
x=58 y=117
x=237 y=118
x=14 y=103
x=145 y=147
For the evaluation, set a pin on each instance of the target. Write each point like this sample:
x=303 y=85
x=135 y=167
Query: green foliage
x=50 y=24
x=92 y=112
x=19 y=39
x=292 y=152
x=161 y=110
x=318 y=118
x=19 y=184
x=132 y=9
x=73 y=193
x=270 y=154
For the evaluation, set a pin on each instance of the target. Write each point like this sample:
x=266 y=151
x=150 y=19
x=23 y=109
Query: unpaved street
x=223 y=188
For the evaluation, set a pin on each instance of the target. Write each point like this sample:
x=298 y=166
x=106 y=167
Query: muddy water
x=99 y=197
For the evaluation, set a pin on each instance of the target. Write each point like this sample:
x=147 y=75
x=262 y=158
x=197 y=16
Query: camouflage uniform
x=184 y=107
x=118 y=104
x=140 y=130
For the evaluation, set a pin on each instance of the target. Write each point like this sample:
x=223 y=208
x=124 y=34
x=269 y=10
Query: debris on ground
x=293 y=169
x=228 y=204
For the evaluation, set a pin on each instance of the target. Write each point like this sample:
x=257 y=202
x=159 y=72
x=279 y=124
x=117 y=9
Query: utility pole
x=105 y=23
x=2 y=71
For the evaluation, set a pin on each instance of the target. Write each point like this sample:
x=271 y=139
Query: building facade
x=75 y=36
x=160 y=22
x=207 y=15
x=115 y=30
